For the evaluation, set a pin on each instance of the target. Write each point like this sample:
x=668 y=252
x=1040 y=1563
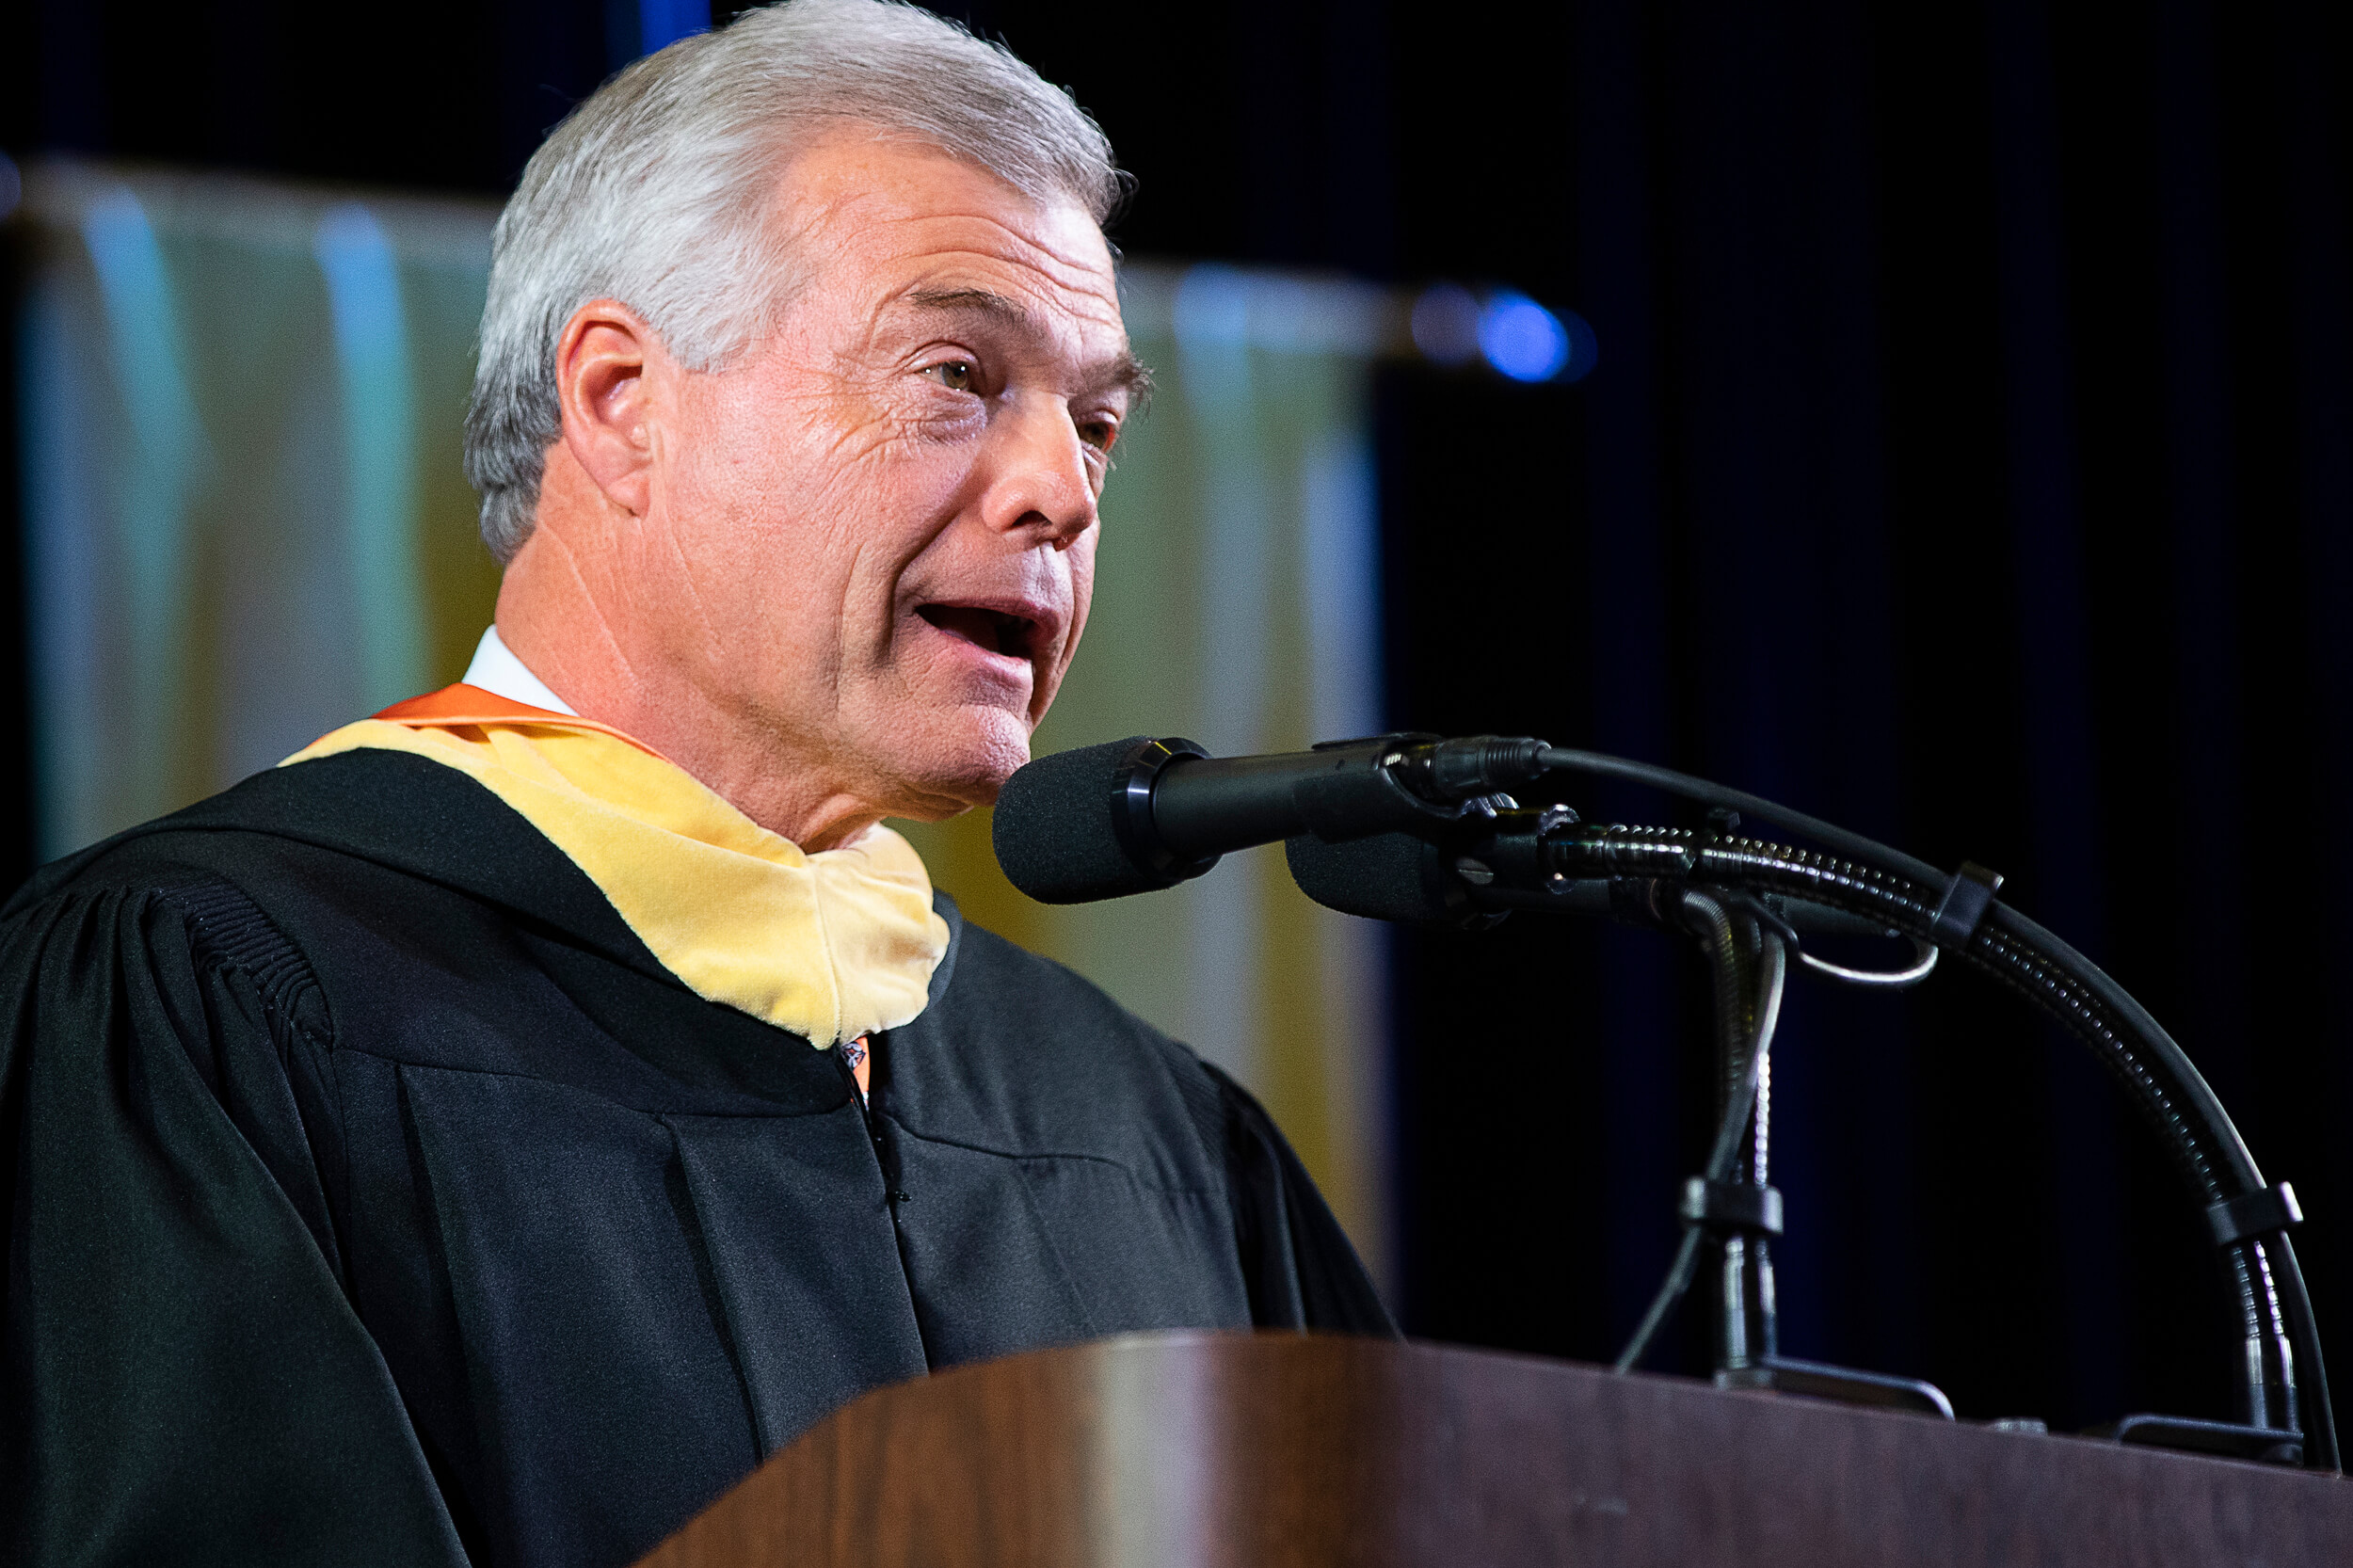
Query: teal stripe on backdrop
x=379 y=451
x=169 y=458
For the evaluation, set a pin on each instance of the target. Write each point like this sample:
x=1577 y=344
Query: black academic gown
x=373 y=1195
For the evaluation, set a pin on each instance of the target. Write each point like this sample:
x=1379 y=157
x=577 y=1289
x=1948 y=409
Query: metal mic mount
x=1733 y=1203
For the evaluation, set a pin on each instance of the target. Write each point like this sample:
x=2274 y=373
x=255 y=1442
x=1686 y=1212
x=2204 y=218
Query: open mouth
x=993 y=629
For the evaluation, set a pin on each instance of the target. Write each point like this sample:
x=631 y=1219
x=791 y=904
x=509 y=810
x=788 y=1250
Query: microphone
x=1388 y=876
x=1143 y=813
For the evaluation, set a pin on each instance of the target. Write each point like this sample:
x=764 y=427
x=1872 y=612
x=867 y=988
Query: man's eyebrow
x=1124 y=371
x=979 y=301
x=1130 y=373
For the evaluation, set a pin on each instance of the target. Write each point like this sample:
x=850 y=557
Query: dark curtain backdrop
x=1969 y=462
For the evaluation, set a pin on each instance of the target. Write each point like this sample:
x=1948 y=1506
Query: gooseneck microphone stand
x=1746 y=900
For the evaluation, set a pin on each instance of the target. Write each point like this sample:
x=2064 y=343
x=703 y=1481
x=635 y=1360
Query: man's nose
x=1038 y=473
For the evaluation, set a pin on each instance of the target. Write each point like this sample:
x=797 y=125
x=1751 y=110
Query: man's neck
x=552 y=625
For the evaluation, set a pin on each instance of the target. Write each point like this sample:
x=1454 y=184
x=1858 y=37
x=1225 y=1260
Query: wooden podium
x=1282 y=1449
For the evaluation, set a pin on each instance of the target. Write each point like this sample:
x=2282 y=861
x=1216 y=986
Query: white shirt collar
x=496 y=671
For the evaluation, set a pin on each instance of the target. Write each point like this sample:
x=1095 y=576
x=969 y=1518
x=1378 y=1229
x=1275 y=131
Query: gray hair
x=655 y=191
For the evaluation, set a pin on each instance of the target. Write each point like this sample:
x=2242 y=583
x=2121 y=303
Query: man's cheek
x=1080 y=559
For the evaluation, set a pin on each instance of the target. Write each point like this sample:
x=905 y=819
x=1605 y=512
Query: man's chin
x=963 y=763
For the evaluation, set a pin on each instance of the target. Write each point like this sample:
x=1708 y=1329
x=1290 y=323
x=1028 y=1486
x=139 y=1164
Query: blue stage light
x=1522 y=339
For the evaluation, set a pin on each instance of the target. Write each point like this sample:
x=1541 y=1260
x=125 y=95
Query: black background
x=1969 y=462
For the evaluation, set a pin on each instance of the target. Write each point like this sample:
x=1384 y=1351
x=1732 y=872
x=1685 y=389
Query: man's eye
x=954 y=374
x=1098 y=434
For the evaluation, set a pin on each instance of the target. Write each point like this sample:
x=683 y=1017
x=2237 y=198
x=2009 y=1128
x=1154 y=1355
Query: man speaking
x=488 y=1135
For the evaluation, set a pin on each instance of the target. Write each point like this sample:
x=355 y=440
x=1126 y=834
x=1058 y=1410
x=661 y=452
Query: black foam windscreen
x=1388 y=876
x=1054 y=833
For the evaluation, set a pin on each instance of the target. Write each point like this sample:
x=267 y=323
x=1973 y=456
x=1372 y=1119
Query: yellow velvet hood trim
x=830 y=946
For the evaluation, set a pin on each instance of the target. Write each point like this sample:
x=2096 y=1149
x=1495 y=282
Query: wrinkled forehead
x=887 y=224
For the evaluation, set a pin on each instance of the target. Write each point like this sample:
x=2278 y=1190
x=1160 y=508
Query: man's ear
x=610 y=370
